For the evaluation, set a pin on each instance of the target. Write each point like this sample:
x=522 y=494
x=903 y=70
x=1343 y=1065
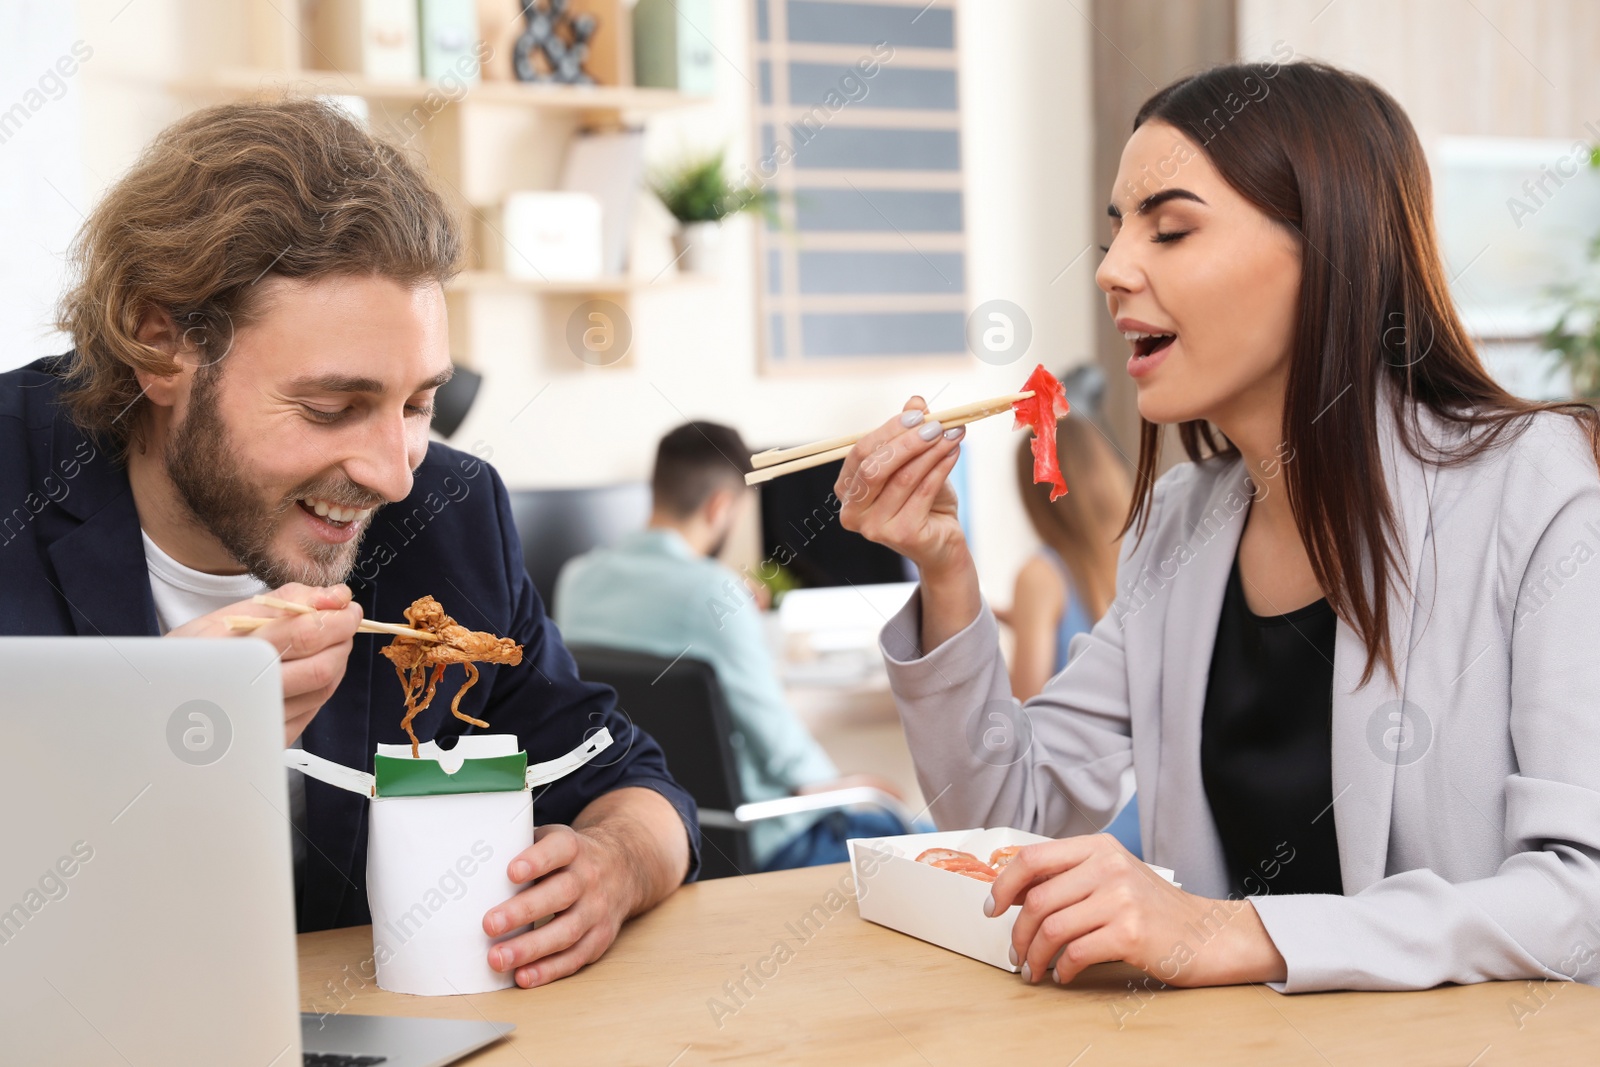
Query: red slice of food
x=1039 y=413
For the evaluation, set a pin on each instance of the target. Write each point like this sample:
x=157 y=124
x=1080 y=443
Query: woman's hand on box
x=313 y=649
x=1088 y=900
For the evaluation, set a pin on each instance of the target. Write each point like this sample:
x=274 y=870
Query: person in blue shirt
x=661 y=591
x=259 y=331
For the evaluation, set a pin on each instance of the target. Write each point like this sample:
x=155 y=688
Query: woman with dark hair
x=1351 y=654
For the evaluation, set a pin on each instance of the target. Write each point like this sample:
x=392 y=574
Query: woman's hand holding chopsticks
x=313 y=648
x=894 y=489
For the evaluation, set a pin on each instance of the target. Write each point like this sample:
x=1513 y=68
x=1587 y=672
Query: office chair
x=684 y=710
x=554 y=525
x=453 y=400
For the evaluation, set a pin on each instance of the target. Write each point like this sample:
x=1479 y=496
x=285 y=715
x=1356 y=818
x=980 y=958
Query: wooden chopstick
x=768 y=467
x=992 y=406
x=246 y=623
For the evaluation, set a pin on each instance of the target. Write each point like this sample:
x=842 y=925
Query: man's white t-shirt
x=182 y=594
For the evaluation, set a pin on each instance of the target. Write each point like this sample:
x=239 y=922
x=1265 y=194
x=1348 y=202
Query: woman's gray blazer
x=1466 y=801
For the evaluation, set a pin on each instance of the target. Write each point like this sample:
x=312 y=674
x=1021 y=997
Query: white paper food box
x=442 y=828
x=937 y=906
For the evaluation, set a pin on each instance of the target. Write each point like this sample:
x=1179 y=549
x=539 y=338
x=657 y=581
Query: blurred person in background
x=663 y=592
x=1064 y=588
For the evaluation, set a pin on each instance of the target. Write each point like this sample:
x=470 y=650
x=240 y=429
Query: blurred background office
x=787 y=216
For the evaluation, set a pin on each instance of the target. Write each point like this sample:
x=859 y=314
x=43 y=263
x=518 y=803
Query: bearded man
x=259 y=329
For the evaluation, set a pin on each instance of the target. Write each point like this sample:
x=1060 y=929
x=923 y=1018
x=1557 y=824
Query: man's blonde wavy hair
x=222 y=198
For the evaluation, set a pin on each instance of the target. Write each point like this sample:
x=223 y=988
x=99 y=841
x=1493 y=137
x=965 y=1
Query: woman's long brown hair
x=1083 y=526
x=1334 y=159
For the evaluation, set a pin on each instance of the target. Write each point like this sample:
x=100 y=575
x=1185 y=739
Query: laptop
x=146 y=884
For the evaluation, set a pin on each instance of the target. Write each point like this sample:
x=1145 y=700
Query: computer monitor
x=800 y=529
x=557 y=524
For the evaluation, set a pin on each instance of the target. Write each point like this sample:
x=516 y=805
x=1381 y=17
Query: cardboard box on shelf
x=552 y=236
x=372 y=39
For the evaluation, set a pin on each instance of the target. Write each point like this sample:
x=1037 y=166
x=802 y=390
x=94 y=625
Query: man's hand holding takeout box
x=313 y=648
x=592 y=876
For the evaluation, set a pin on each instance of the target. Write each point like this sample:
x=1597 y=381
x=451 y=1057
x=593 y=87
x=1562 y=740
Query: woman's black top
x=1266 y=753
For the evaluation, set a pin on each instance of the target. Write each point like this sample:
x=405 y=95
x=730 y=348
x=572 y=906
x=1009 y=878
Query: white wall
x=551 y=421
x=40 y=170
x=71 y=148
x=1490 y=67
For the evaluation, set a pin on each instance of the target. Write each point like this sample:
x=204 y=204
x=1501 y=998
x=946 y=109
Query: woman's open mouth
x=1147 y=344
x=1149 y=350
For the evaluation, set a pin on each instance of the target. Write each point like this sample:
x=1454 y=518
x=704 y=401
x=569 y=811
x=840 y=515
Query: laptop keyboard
x=339 y=1059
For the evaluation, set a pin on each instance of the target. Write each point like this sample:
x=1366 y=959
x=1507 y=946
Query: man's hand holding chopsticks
x=313 y=648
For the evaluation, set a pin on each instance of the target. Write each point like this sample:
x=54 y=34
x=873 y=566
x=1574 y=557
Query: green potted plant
x=1574 y=340
x=699 y=195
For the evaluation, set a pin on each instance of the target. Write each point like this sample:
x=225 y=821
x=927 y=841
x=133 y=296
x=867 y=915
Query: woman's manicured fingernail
x=1027 y=973
x=1055 y=972
x=930 y=430
x=1012 y=952
x=911 y=417
x=955 y=433
x=988 y=909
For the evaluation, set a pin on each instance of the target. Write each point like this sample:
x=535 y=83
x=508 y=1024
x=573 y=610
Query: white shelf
x=488 y=280
x=608 y=99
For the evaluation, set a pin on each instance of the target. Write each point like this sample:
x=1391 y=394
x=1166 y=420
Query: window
x=858 y=133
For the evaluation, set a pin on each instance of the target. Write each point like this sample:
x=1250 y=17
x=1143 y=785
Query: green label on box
x=425 y=778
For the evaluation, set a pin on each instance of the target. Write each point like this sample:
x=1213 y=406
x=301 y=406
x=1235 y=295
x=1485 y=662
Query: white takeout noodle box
x=940 y=907
x=441 y=829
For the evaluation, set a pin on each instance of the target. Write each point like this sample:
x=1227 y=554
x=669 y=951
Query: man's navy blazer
x=72 y=562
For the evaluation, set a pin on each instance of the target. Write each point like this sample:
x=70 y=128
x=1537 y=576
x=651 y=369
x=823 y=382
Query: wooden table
x=843 y=991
